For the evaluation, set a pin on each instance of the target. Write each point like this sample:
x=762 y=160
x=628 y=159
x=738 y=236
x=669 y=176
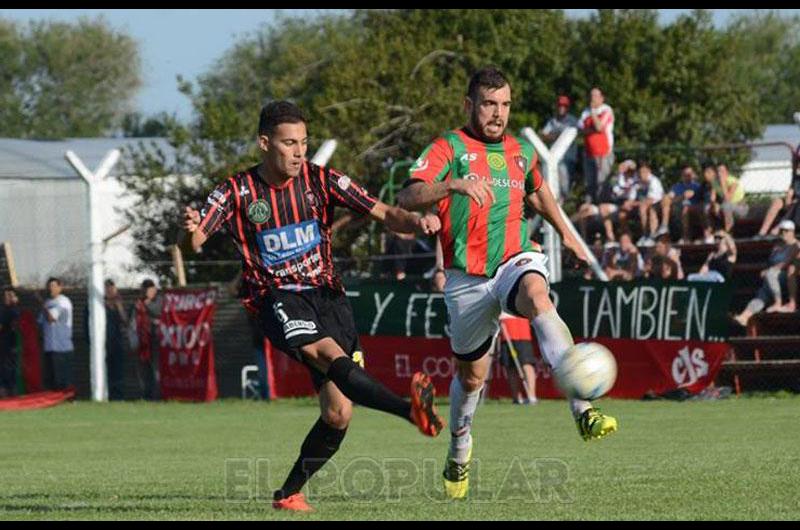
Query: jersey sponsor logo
x=496 y=161
x=279 y=245
x=468 y=157
x=498 y=182
x=258 y=212
x=420 y=165
x=294 y=328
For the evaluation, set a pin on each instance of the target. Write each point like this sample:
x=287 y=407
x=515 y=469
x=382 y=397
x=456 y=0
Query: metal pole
x=552 y=242
x=95 y=291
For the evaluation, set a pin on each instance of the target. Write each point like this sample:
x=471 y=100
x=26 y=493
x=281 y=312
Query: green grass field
x=732 y=459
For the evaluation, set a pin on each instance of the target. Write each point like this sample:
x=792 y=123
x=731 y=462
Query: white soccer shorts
x=474 y=303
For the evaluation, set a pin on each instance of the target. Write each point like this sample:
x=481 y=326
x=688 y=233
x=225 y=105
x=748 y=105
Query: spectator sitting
x=730 y=197
x=790 y=205
x=719 y=264
x=661 y=267
x=648 y=194
x=783 y=254
x=665 y=249
x=791 y=286
x=688 y=197
x=616 y=198
x=551 y=131
x=403 y=246
x=623 y=262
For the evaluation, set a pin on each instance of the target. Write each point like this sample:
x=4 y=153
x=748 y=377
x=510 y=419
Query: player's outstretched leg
x=362 y=388
x=321 y=443
x=554 y=339
x=465 y=391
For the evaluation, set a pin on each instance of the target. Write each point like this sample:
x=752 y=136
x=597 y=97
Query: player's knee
x=338 y=417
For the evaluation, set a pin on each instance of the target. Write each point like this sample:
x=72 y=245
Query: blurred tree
x=384 y=83
x=65 y=79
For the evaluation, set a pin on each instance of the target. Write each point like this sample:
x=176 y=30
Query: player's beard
x=477 y=128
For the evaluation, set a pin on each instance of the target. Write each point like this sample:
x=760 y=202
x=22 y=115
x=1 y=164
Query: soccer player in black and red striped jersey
x=279 y=215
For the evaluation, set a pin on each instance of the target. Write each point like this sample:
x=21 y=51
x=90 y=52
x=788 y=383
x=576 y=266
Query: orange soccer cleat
x=293 y=503
x=423 y=411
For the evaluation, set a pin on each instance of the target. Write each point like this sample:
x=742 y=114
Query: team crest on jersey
x=258 y=212
x=496 y=161
x=521 y=162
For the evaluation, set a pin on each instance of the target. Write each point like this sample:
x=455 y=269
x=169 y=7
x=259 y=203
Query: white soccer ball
x=587 y=371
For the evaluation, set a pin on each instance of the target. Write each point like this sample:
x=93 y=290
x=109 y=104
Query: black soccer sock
x=321 y=443
x=362 y=388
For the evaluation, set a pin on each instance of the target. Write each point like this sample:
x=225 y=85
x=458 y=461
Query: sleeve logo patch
x=343 y=182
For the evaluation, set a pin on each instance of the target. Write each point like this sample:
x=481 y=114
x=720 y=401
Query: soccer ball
x=586 y=371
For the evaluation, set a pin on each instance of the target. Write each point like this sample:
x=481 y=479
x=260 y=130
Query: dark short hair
x=487 y=77
x=644 y=163
x=276 y=112
x=53 y=279
x=9 y=288
x=109 y=282
x=148 y=283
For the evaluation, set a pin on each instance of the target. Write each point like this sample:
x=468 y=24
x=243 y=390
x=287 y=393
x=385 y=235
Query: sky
x=189 y=41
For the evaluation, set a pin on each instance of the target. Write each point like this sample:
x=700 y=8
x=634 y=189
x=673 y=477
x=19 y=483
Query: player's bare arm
x=421 y=195
x=403 y=221
x=542 y=201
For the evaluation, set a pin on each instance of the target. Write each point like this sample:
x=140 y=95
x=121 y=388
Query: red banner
x=186 y=345
x=644 y=366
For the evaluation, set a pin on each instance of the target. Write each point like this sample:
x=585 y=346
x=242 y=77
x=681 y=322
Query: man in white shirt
x=648 y=192
x=56 y=322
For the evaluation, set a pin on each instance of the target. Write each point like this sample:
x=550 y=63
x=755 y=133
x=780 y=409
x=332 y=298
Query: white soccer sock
x=554 y=339
x=462 y=408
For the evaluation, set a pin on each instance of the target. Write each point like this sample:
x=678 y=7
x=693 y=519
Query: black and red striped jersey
x=283 y=234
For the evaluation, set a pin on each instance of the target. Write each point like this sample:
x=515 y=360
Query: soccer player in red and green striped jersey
x=478 y=178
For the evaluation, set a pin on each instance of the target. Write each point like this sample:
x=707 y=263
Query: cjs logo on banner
x=688 y=367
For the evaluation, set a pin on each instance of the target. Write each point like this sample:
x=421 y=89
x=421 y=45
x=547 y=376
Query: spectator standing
x=783 y=255
x=518 y=331
x=115 y=341
x=9 y=317
x=551 y=131
x=145 y=320
x=597 y=124
x=55 y=320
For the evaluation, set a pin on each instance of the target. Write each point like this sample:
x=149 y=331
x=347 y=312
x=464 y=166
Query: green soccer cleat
x=593 y=424
x=456 y=476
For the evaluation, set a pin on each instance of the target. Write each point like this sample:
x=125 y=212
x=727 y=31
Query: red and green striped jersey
x=478 y=239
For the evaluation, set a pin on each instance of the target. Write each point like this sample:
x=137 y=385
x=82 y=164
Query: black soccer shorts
x=293 y=319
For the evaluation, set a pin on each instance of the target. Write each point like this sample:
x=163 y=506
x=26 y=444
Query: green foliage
x=65 y=80
x=384 y=83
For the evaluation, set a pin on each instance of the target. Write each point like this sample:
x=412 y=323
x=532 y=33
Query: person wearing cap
x=783 y=255
x=551 y=131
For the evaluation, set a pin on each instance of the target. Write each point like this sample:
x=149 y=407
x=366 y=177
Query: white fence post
x=96 y=289
x=552 y=242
